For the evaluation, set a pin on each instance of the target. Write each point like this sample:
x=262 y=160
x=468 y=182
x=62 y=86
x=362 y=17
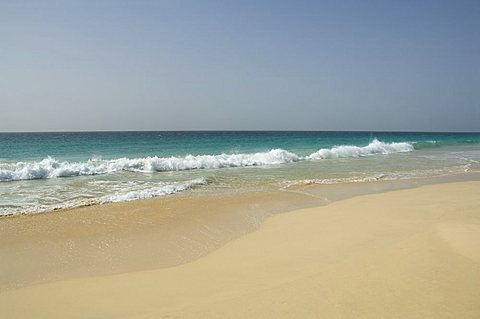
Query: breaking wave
x=375 y=147
x=51 y=167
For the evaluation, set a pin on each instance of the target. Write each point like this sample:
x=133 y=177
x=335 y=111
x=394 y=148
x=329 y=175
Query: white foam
x=340 y=180
x=375 y=147
x=276 y=156
x=160 y=190
x=126 y=192
x=50 y=167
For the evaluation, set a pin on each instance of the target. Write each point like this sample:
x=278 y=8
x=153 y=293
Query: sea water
x=46 y=171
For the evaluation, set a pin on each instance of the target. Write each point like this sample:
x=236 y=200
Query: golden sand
x=404 y=254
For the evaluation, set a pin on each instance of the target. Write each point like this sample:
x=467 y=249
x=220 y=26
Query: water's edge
x=156 y=233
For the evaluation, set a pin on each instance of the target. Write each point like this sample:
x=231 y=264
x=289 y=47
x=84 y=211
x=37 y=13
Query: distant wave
x=51 y=167
x=375 y=147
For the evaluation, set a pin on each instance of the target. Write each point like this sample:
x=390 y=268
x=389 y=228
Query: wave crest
x=50 y=167
x=375 y=147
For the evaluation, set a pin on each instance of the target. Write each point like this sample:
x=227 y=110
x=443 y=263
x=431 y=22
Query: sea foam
x=160 y=190
x=129 y=191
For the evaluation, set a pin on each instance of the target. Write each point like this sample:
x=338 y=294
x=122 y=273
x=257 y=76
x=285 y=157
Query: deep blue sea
x=46 y=171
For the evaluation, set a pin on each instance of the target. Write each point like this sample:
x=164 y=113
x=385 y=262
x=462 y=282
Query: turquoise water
x=44 y=171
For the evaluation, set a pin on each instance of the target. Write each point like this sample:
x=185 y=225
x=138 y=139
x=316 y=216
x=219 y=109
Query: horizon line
x=235 y=130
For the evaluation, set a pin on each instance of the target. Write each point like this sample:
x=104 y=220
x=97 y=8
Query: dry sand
x=404 y=254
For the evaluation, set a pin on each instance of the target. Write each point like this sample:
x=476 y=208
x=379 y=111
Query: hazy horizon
x=235 y=130
x=300 y=66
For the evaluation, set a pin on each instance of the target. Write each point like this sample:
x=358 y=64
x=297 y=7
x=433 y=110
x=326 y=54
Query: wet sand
x=131 y=236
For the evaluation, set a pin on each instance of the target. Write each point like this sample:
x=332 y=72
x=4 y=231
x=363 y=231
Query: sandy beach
x=403 y=254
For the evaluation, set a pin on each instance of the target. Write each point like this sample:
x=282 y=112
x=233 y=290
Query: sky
x=239 y=65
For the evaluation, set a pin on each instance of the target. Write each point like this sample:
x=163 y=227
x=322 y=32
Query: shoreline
x=155 y=233
x=392 y=184
x=400 y=254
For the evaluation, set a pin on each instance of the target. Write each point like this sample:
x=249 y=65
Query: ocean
x=42 y=172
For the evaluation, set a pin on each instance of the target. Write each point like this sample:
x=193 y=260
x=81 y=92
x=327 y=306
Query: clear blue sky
x=322 y=65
